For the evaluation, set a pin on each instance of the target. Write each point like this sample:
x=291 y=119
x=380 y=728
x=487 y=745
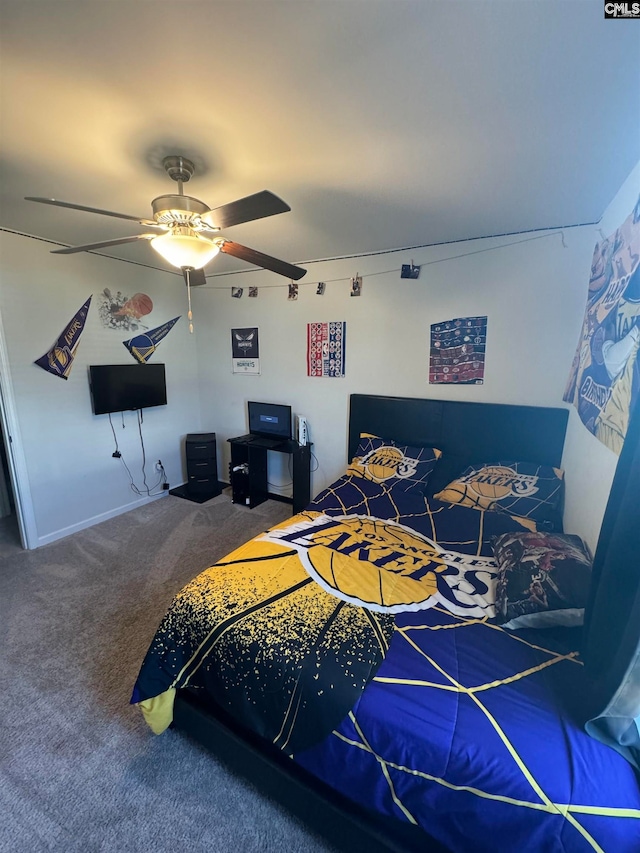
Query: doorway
x=15 y=482
x=10 y=538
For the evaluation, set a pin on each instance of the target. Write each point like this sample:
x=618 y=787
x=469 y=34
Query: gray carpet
x=79 y=770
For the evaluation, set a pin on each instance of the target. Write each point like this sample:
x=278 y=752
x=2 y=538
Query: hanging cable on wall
x=145 y=490
x=320 y=285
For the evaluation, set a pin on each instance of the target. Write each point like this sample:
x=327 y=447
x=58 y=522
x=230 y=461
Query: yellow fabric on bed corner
x=526 y=522
x=158 y=711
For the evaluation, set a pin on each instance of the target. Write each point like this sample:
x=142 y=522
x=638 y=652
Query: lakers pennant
x=59 y=359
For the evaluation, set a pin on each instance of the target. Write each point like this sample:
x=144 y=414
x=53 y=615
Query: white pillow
x=572 y=617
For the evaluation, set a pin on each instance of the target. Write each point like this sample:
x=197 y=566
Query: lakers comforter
x=357 y=637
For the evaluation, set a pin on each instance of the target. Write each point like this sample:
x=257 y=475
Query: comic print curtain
x=611 y=647
x=604 y=380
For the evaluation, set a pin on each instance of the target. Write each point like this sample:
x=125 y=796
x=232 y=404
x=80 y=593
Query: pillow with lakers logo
x=394 y=465
x=517 y=488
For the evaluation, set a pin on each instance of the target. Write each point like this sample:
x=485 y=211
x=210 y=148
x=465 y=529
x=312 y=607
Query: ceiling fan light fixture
x=183 y=247
x=184 y=220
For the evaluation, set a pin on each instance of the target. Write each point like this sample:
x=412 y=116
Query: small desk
x=249 y=485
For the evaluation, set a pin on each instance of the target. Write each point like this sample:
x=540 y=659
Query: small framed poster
x=245 y=350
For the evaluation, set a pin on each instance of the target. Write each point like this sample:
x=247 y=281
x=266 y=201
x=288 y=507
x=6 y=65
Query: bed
x=356 y=650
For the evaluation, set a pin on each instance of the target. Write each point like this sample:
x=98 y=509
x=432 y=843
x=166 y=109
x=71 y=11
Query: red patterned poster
x=326 y=348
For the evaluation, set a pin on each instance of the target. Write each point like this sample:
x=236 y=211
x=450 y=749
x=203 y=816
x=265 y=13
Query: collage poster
x=457 y=351
x=604 y=381
x=245 y=350
x=326 y=348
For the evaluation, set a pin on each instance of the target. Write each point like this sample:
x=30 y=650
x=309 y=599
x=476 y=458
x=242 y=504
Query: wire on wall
x=540 y=232
x=281 y=486
x=395 y=269
x=145 y=490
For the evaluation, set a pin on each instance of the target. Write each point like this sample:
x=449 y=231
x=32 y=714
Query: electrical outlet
x=159 y=465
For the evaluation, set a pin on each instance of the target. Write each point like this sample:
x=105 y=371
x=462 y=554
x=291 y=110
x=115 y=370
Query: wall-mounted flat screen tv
x=120 y=387
x=270 y=420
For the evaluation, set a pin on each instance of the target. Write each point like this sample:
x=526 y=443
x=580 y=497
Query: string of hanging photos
x=406 y=271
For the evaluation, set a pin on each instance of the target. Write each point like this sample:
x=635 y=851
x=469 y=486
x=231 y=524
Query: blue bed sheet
x=474 y=732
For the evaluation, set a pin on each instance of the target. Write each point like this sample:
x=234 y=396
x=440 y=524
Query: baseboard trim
x=96 y=519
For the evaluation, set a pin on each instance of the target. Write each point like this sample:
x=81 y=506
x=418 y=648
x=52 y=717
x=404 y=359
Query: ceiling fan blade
x=261 y=260
x=91 y=210
x=87 y=247
x=196 y=278
x=254 y=206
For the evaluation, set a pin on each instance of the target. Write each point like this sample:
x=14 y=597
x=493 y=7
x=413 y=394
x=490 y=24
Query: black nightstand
x=202 y=468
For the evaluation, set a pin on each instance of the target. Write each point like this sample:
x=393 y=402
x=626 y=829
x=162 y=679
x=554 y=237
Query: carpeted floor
x=79 y=770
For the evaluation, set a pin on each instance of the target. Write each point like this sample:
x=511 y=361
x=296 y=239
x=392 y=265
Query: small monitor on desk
x=270 y=420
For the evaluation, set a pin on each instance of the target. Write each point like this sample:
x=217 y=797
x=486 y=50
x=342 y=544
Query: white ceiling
x=383 y=123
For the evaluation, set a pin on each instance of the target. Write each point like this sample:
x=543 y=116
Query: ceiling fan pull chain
x=189 y=313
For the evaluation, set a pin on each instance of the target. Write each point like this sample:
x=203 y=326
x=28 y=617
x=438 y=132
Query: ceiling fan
x=186 y=230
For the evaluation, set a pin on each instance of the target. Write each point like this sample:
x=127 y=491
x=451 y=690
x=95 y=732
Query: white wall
x=589 y=464
x=73 y=479
x=532 y=292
